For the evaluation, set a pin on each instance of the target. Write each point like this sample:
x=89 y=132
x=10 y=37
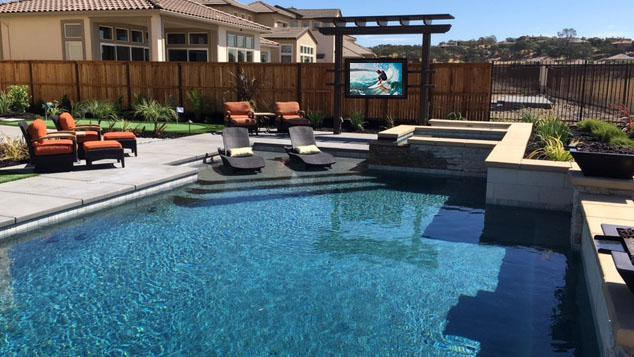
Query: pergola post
x=425 y=79
x=338 y=103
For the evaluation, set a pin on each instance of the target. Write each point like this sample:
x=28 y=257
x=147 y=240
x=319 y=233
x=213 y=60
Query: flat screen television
x=376 y=78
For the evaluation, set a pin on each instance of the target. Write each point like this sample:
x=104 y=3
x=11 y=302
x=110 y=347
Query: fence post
x=129 y=83
x=490 y=90
x=299 y=84
x=180 y=85
x=626 y=87
x=583 y=89
x=78 y=81
x=31 y=83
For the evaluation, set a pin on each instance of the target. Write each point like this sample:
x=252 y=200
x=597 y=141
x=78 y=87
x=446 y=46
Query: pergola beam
x=385 y=30
x=352 y=19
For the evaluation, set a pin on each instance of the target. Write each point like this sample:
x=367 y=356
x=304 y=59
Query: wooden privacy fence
x=463 y=88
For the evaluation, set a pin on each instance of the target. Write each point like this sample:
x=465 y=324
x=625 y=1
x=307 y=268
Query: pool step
x=460 y=132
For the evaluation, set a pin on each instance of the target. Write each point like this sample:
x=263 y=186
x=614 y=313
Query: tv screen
x=376 y=78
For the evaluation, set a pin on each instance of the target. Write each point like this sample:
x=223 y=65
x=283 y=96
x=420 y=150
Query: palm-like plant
x=152 y=111
x=101 y=110
x=247 y=87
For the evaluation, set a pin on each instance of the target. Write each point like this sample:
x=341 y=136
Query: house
x=273 y=16
x=310 y=18
x=297 y=45
x=126 y=30
x=232 y=7
x=351 y=49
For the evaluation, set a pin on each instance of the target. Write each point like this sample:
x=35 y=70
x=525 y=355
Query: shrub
x=5 y=103
x=101 y=110
x=197 y=101
x=65 y=103
x=13 y=149
x=602 y=131
x=529 y=117
x=389 y=122
x=358 y=121
x=553 y=150
x=55 y=109
x=456 y=116
x=622 y=142
x=19 y=98
x=247 y=87
x=316 y=119
x=552 y=127
x=152 y=111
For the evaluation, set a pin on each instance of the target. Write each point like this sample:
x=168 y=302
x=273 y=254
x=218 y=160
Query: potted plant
x=606 y=151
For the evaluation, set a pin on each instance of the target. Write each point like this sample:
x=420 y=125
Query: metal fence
x=572 y=91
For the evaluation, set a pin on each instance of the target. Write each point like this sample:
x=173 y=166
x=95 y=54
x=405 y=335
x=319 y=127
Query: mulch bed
x=12 y=163
x=586 y=143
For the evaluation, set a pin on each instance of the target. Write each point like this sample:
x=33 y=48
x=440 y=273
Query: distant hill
x=565 y=46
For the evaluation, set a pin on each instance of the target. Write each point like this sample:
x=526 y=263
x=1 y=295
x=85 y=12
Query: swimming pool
x=352 y=264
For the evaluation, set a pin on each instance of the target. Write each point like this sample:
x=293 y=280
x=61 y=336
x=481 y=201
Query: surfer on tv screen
x=382 y=75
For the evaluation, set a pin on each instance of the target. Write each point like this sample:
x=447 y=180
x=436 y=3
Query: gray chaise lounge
x=304 y=136
x=233 y=138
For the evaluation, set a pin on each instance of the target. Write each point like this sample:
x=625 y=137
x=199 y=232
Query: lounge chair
x=288 y=114
x=65 y=123
x=303 y=139
x=49 y=152
x=237 y=139
x=240 y=114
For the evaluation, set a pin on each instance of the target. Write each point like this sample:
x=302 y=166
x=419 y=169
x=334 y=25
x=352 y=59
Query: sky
x=502 y=18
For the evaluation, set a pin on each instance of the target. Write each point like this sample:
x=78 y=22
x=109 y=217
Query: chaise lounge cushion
x=119 y=135
x=101 y=145
x=53 y=147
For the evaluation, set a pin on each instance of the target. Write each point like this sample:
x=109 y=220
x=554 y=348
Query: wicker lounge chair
x=49 y=152
x=288 y=114
x=240 y=114
x=234 y=138
x=303 y=136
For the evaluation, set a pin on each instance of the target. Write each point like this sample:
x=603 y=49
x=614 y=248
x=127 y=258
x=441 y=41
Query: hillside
x=565 y=46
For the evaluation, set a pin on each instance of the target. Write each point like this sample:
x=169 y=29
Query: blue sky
x=502 y=18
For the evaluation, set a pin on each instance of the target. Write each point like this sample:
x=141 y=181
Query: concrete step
x=469 y=124
x=425 y=140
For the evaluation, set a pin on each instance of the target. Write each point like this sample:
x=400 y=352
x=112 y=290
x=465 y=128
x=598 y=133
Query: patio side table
x=266 y=120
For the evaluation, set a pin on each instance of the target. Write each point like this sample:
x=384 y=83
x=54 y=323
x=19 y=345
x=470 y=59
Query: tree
x=567 y=33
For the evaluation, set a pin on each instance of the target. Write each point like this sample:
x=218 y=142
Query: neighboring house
x=272 y=16
x=232 y=7
x=309 y=18
x=125 y=30
x=269 y=51
x=297 y=45
x=351 y=49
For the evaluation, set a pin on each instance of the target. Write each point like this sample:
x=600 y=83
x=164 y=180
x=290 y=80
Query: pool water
x=350 y=265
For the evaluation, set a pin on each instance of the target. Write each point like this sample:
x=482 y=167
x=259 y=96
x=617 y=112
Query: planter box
x=598 y=164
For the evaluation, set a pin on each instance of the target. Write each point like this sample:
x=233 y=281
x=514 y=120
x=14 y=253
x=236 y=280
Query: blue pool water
x=364 y=266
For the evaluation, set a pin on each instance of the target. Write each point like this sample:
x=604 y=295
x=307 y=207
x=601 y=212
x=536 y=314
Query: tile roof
x=268 y=43
x=316 y=13
x=352 y=49
x=182 y=7
x=226 y=3
x=287 y=32
x=264 y=8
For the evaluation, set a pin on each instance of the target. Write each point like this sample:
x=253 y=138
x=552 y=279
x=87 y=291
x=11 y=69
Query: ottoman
x=127 y=139
x=100 y=150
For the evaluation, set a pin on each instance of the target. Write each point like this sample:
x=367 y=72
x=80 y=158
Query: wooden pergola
x=385 y=25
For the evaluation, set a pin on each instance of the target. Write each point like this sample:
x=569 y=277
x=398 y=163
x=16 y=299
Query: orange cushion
x=243 y=120
x=238 y=108
x=119 y=135
x=87 y=136
x=67 y=122
x=53 y=147
x=100 y=145
x=286 y=108
x=287 y=117
x=37 y=129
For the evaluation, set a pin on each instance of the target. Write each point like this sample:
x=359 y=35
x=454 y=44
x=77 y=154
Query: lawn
x=172 y=129
x=14 y=177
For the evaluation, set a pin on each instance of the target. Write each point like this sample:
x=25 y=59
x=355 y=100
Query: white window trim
x=188 y=49
x=245 y=41
x=112 y=34
x=116 y=37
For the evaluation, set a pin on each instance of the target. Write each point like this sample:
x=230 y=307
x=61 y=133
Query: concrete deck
x=46 y=195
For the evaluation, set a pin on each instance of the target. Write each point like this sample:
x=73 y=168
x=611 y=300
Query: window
x=138 y=54
x=265 y=57
x=75 y=30
x=176 y=39
x=294 y=24
x=177 y=55
x=287 y=53
x=307 y=54
x=105 y=33
x=113 y=50
x=316 y=25
x=240 y=48
x=198 y=39
x=122 y=35
x=197 y=56
x=321 y=56
x=108 y=53
x=137 y=36
x=280 y=24
x=74 y=50
x=305 y=24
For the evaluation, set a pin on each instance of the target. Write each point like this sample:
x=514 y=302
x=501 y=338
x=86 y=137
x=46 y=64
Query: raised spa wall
x=496 y=151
